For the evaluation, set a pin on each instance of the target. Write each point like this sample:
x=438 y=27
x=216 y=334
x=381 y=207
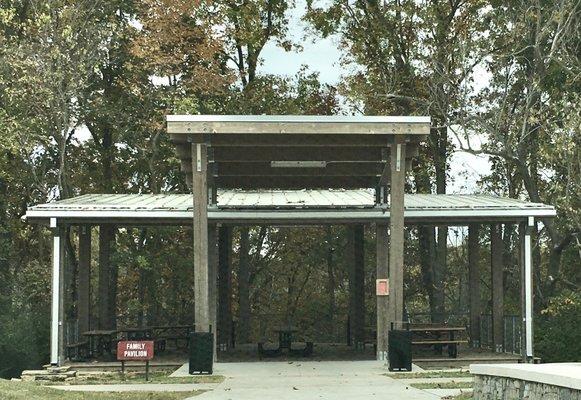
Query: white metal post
x=528 y=289
x=55 y=317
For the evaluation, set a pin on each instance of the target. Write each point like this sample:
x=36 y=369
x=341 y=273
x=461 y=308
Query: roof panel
x=286 y=205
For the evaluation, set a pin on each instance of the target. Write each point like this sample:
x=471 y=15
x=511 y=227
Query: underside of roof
x=285 y=207
x=295 y=152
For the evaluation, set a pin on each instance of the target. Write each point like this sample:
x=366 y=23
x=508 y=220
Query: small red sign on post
x=382 y=287
x=135 y=350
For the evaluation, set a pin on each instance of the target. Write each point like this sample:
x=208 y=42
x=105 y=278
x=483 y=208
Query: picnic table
x=135 y=333
x=285 y=342
x=438 y=335
x=100 y=341
x=175 y=333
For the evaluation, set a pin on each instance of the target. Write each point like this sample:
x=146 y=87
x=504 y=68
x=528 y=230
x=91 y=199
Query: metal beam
x=458 y=217
x=527 y=285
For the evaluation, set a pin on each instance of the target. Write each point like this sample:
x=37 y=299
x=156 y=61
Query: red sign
x=382 y=287
x=135 y=350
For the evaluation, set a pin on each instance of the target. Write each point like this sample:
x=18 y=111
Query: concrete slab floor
x=306 y=380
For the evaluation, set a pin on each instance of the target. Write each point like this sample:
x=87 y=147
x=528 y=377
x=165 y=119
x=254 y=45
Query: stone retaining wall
x=502 y=388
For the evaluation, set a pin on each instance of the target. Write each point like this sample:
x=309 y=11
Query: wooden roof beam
x=290 y=127
x=295 y=182
x=267 y=169
x=301 y=141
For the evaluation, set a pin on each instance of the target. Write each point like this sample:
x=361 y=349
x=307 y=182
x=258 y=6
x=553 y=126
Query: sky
x=323 y=56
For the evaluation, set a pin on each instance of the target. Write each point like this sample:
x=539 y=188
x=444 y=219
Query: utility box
x=399 y=350
x=201 y=352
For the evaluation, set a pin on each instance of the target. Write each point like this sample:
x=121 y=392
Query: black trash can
x=201 y=352
x=399 y=350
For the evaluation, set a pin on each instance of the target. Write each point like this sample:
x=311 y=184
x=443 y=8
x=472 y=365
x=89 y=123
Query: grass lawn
x=443 y=385
x=430 y=374
x=31 y=391
x=463 y=396
x=138 y=377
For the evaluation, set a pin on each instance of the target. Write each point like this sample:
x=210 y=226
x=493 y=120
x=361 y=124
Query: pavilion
x=296 y=170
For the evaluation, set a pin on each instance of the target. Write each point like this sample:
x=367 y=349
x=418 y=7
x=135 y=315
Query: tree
x=529 y=114
x=411 y=59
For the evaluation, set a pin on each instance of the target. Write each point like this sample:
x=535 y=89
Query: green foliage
x=557 y=329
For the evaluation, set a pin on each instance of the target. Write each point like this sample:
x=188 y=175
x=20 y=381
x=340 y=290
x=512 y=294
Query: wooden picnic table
x=285 y=342
x=175 y=333
x=438 y=335
x=135 y=333
x=100 y=341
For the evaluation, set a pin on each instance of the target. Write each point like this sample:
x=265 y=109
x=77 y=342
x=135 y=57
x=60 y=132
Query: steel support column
x=57 y=307
x=527 y=288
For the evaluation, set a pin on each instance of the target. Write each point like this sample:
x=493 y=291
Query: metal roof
x=298 y=118
x=285 y=206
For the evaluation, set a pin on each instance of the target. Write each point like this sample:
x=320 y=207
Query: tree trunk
x=106 y=236
x=440 y=270
x=224 y=285
x=331 y=284
x=244 y=287
x=427 y=250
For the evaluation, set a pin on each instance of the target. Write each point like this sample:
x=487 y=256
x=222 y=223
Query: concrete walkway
x=332 y=380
